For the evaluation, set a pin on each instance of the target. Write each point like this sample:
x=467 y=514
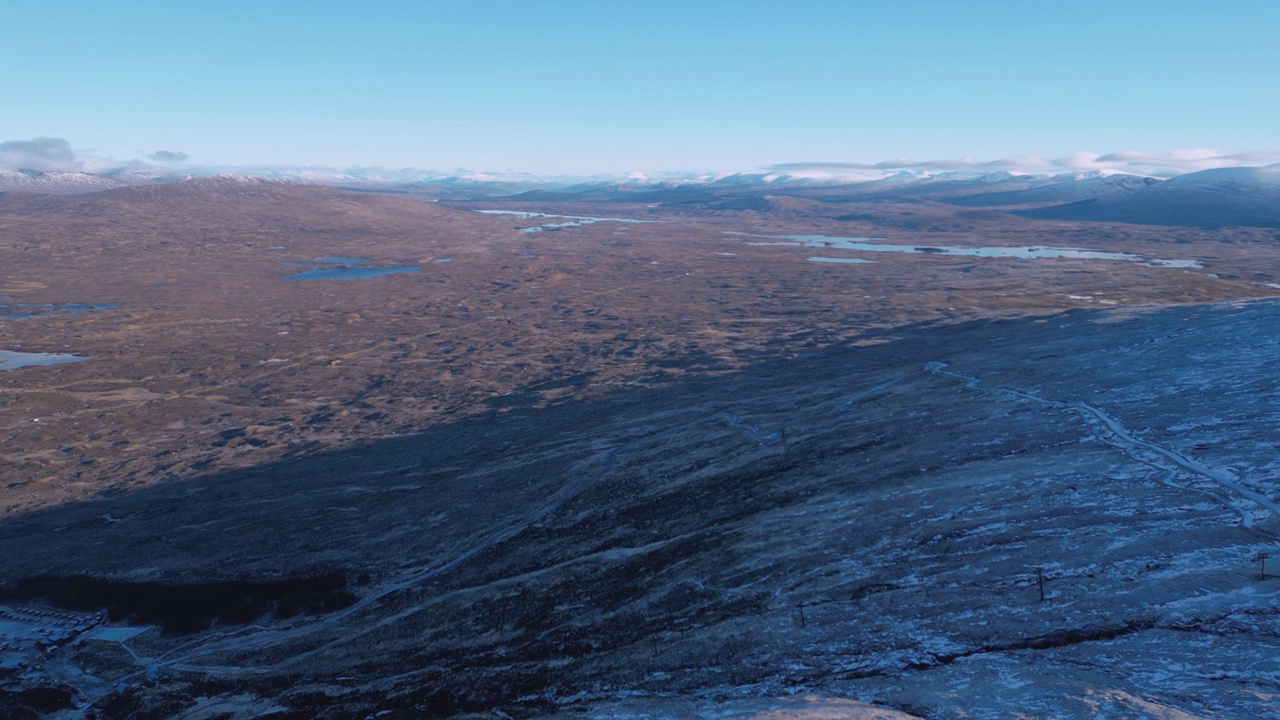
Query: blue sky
x=565 y=86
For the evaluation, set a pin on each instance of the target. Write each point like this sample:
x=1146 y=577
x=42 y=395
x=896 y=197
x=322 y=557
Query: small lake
x=1180 y=264
x=570 y=220
x=1030 y=252
x=350 y=268
x=10 y=360
x=22 y=311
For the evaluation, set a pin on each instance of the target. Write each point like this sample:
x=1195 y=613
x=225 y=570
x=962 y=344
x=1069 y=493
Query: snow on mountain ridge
x=54 y=182
x=1060 y=190
x=1234 y=178
x=1246 y=196
x=878 y=178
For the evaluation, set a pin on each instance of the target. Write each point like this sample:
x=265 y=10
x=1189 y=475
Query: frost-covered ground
x=815 y=537
x=1128 y=456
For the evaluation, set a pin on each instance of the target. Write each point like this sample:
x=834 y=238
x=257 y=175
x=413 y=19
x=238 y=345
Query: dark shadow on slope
x=184 y=607
x=393 y=507
x=375 y=507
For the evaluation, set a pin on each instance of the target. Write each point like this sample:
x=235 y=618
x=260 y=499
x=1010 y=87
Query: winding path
x=264 y=636
x=1112 y=432
x=258 y=636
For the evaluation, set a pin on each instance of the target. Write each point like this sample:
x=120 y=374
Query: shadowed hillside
x=789 y=526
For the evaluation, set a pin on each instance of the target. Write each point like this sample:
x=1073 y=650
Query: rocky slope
x=869 y=523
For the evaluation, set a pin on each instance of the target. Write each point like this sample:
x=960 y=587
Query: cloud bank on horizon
x=1173 y=162
x=50 y=154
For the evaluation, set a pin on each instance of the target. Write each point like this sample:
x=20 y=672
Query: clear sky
x=570 y=86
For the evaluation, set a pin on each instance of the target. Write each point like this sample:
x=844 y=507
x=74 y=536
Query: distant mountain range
x=1058 y=193
x=1229 y=196
x=1247 y=196
x=55 y=183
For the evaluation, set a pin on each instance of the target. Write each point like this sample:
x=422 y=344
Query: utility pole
x=1040 y=582
x=1262 y=567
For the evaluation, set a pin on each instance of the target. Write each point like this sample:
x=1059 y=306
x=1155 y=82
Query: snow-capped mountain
x=1208 y=198
x=1241 y=180
x=1224 y=196
x=55 y=183
x=1074 y=189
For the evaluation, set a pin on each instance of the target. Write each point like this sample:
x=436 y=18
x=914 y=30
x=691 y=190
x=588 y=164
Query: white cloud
x=169 y=156
x=42 y=154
